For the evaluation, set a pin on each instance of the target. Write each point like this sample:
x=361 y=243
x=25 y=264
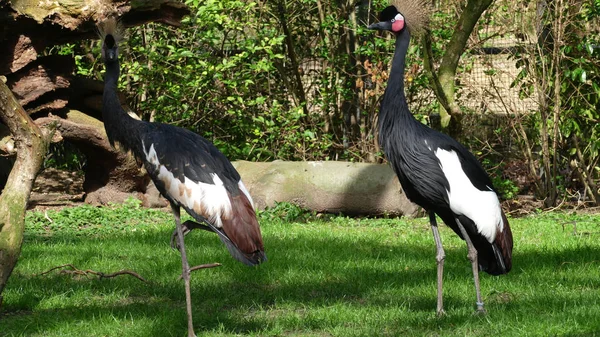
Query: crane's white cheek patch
x=482 y=207
x=208 y=200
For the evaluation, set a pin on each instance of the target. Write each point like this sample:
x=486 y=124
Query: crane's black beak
x=383 y=25
x=111 y=55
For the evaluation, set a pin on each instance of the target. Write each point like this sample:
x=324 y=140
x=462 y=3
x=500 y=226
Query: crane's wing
x=474 y=202
x=473 y=169
x=191 y=172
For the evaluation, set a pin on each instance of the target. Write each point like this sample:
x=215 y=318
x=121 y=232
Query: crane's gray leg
x=185 y=270
x=472 y=255
x=440 y=256
x=187 y=227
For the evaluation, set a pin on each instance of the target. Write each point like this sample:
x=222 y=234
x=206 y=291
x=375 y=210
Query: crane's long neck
x=395 y=120
x=394 y=102
x=120 y=127
x=396 y=79
x=111 y=78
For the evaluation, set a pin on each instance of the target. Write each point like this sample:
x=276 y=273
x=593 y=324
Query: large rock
x=327 y=186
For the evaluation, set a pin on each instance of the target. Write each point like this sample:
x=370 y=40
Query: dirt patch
x=58 y=181
x=522 y=205
x=56 y=188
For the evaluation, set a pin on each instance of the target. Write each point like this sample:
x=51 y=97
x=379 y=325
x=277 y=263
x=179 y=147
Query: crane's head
x=110 y=32
x=389 y=19
x=400 y=14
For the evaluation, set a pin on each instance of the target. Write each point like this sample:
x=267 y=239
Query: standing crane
x=435 y=171
x=188 y=171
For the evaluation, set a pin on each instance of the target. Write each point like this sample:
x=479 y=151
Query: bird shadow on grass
x=311 y=272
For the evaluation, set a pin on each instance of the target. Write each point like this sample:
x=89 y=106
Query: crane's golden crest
x=112 y=27
x=416 y=13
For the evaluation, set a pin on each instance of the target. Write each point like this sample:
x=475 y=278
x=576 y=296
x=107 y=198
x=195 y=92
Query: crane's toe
x=187 y=227
x=174 y=242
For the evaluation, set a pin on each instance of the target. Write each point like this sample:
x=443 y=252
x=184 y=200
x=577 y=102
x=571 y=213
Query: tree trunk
x=443 y=80
x=298 y=87
x=31 y=146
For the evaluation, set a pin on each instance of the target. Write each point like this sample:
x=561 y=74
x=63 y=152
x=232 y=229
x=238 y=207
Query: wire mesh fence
x=487 y=83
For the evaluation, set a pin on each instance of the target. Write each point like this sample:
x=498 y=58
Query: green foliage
x=220 y=76
x=506 y=187
x=287 y=212
x=64 y=156
x=343 y=277
x=577 y=66
x=580 y=87
x=90 y=220
x=228 y=74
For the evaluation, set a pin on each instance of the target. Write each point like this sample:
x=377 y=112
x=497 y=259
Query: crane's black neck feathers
x=121 y=128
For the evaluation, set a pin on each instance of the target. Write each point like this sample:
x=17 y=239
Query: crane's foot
x=174 y=243
x=440 y=313
x=186 y=228
x=480 y=310
x=202 y=266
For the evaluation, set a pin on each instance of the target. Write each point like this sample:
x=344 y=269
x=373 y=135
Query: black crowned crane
x=435 y=171
x=187 y=170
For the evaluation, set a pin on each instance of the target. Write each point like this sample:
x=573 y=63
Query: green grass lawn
x=325 y=277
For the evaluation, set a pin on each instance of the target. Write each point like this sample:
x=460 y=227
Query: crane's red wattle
x=398 y=25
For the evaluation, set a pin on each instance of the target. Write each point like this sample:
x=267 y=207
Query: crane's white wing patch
x=208 y=200
x=245 y=191
x=482 y=207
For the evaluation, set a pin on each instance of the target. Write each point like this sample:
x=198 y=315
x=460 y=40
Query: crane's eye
x=393 y=20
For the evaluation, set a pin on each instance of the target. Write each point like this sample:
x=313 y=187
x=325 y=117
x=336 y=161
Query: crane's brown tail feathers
x=503 y=246
x=240 y=232
x=494 y=258
x=243 y=232
x=416 y=13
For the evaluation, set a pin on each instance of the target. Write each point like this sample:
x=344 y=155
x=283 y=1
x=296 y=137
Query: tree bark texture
x=31 y=146
x=31 y=26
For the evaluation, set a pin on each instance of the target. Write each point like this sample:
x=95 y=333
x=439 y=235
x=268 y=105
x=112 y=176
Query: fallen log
x=327 y=186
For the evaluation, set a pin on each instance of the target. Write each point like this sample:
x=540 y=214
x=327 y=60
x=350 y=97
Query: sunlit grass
x=325 y=277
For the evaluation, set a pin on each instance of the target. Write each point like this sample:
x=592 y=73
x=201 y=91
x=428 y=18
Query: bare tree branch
x=101 y=275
